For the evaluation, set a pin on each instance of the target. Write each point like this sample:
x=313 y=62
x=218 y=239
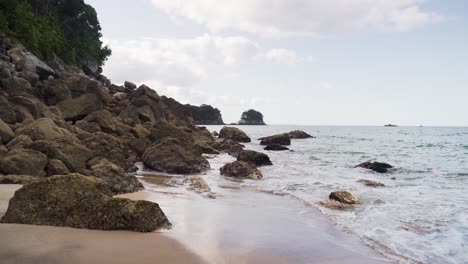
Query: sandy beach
x=239 y=227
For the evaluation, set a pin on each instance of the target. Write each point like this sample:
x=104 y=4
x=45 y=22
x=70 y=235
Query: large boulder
x=17 y=86
x=56 y=167
x=29 y=62
x=115 y=176
x=234 y=133
x=43 y=128
x=173 y=155
x=68 y=150
x=79 y=107
x=81 y=202
x=298 y=134
x=197 y=184
x=241 y=169
x=7 y=111
x=379 y=167
x=371 y=183
x=6 y=134
x=35 y=107
x=227 y=146
x=104 y=119
x=56 y=91
x=17 y=179
x=18 y=142
x=23 y=162
x=280 y=139
x=344 y=197
x=257 y=158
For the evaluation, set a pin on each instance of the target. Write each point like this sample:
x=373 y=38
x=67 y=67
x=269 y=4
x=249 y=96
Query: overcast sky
x=317 y=62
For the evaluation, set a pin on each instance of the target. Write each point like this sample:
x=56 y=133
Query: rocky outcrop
x=344 y=197
x=251 y=117
x=379 y=167
x=275 y=147
x=280 y=139
x=227 y=146
x=257 y=158
x=298 y=134
x=81 y=202
x=173 y=155
x=205 y=115
x=234 y=133
x=241 y=169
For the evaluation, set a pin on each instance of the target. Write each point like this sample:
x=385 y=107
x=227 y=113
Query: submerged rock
x=257 y=158
x=241 y=169
x=78 y=201
x=344 y=197
x=379 y=167
x=234 y=133
x=280 y=139
x=298 y=134
x=197 y=184
x=173 y=155
x=371 y=183
x=275 y=147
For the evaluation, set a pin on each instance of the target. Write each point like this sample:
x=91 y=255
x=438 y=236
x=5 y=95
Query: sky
x=302 y=62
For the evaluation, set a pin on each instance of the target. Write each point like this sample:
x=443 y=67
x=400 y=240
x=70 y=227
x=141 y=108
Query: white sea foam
x=422 y=215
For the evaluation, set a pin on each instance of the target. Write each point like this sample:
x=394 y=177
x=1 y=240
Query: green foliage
x=252 y=115
x=68 y=28
x=204 y=113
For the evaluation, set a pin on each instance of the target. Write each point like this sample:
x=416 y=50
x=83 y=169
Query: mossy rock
x=234 y=133
x=79 y=201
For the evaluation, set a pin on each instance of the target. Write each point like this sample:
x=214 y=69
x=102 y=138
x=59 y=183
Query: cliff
x=205 y=115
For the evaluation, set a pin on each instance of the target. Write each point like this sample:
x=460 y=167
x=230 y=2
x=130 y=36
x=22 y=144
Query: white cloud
x=285 y=56
x=301 y=17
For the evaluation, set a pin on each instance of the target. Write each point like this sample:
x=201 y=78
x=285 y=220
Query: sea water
x=422 y=213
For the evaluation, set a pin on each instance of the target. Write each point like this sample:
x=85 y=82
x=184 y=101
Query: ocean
x=422 y=213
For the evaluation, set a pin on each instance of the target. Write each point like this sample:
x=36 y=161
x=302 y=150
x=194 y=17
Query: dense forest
x=67 y=28
x=205 y=114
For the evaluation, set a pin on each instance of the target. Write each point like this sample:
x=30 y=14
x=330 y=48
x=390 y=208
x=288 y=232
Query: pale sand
x=44 y=244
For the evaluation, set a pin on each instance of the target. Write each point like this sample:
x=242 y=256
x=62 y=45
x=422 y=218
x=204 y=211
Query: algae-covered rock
x=23 y=162
x=280 y=139
x=79 y=201
x=234 y=133
x=43 y=128
x=241 y=169
x=228 y=146
x=343 y=197
x=174 y=156
x=115 y=176
x=257 y=158
x=17 y=179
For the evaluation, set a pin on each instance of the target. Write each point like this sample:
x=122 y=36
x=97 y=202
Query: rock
x=104 y=119
x=23 y=162
x=33 y=105
x=197 y=184
x=162 y=130
x=109 y=147
x=130 y=85
x=257 y=158
x=371 y=183
x=119 y=96
x=68 y=150
x=251 y=117
x=241 y=169
x=140 y=131
x=275 y=147
x=379 y=167
x=173 y=155
x=6 y=134
x=77 y=85
x=56 y=91
x=77 y=108
x=31 y=77
x=337 y=205
x=81 y=202
x=7 y=112
x=344 y=197
x=228 y=146
x=16 y=86
x=115 y=176
x=145 y=114
x=234 y=133
x=215 y=134
x=280 y=139
x=29 y=62
x=18 y=142
x=17 y=179
x=298 y=134
x=43 y=128
x=56 y=167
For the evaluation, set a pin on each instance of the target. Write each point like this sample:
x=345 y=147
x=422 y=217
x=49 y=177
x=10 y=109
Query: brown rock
x=23 y=162
x=344 y=197
x=241 y=169
x=234 y=133
x=257 y=158
x=56 y=167
x=371 y=183
x=280 y=139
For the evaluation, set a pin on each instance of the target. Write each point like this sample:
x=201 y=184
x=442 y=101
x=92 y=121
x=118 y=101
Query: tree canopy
x=67 y=28
x=252 y=115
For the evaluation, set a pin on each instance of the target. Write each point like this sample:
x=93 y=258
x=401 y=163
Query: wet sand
x=44 y=244
x=240 y=226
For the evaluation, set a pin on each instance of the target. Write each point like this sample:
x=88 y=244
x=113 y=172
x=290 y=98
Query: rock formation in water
x=379 y=167
x=251 y=117
x=205 y=115
x=234 y=133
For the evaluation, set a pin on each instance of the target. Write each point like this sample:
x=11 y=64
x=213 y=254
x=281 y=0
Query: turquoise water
x=420 y=216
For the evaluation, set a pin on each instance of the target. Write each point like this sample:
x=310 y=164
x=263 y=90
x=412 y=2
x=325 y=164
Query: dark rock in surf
x=280 y=139
x=379 y=167
x=257 y=158
x=234 y=133
x=241 y=169
x=275 y=147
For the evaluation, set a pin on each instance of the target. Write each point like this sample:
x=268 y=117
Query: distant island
x=251 y=117
x=390 y=125
x=205 y=114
